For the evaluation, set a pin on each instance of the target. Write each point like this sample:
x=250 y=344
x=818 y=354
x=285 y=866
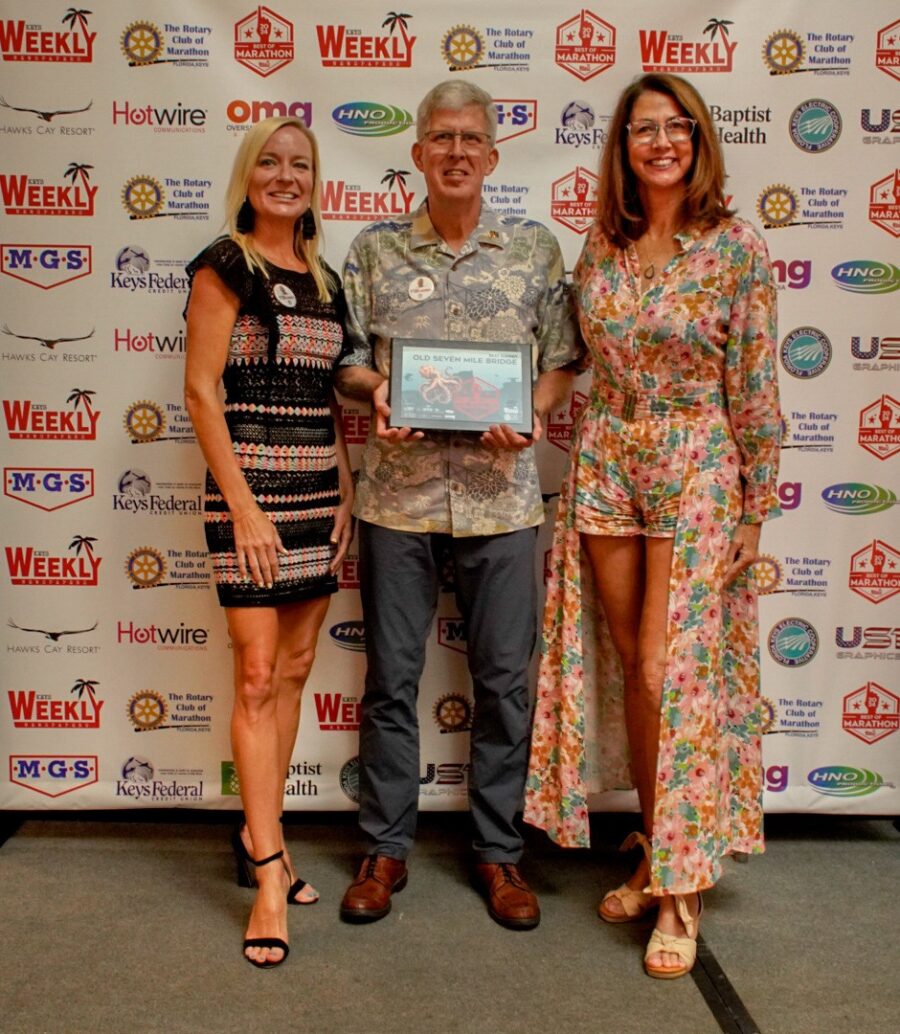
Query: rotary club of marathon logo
x=465 y=48
x=148 y=710
x=453 y=713
x=144 y=197
x=779 y=206
x=146 y=422
x=149 y=568
x=825 y=53
x=143 y=44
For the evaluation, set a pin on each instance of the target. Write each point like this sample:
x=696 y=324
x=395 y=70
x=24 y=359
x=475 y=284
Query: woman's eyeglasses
x=678 y=130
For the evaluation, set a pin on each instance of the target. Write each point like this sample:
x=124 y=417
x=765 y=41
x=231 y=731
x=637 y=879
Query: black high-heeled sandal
x=245 y=876
x=266 y=942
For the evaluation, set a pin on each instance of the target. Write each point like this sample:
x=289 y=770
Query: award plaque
x=460 y=385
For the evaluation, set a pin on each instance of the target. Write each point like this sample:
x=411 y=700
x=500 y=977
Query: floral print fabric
x=697 y=352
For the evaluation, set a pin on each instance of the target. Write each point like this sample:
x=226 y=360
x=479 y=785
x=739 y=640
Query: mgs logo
x=585 y=45
x=574 y=199
x=263 y=41
x=452 y=634
x=884 y=203
x=871 y=713
x=48 y=488
x=875 y=571
x=45 y=265
x=53 y=775
x=515 y=117
x=879 y=427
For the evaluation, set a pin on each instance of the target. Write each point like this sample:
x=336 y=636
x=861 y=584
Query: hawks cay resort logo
x=666 y=51
x=147 y=422
x=27 y=565
x=35 y=709
x=369 y=118
x=585 y=45
x=241 y=114
x=147 y=567
x=573 y=199
x=507 y=49
x=580 y=126
x=887 y=49
x=263 y=41
x=43 y=347
x=822 y=53
x=851 y=497
x=144 y=44
x=866 y=276
x=29 y=420
x=882 y=354
x=150 y=710
x=48 y=488
x=882 y=123
x=30 y=41
x=815 y=125
x=343 y=47
x=805 y=352
x=185 y=197
x=342 y=200
x=53 y=637
x=30 y=195
x=53 y=775
x=879 y=427
x=820 y=207
x=177 y=118
x=133 y=271
x=884 y=203
x=45 y=265
x=141 y=782
x=135 y=494
x=44 y=116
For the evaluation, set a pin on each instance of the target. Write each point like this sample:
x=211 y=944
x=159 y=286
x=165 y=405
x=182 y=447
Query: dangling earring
x=308 y=225
x=245 y=217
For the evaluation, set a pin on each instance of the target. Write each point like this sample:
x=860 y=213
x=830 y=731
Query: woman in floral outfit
x=672 y=470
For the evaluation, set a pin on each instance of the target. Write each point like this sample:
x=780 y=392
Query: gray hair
x=454 y=95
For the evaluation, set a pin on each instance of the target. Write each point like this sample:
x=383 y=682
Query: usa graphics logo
x=27 y=41
x=53 y=775
x=48 y=488
x=45 y=265
x=662 y=51
x=882 y=354
x=871 y=713
x=585 y=45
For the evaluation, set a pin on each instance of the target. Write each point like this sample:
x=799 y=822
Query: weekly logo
x=337 y=713
x=453 y=713
x=53 y=775
x=866 y=276
x=793 y=642
x=662 y=51
x=805 y=352
x=27 y=420
x=585 y=45
x=366 y=118
x=48 y=488
x=143 y=44
x=340 y=47
x=45 y=265
x=24 y=195
x=348 y=576
x=515 y=117
x=143 y=197
x=27 y=41
x=356 y=423
x=844 y=781
x=779 y=206
x=263 y=41
x=871 y=713
x=29 y=566
x=825 y=53
x=875 y=572
x=851 y=497
x=887 y=49
x=879 y=427
x=341 y=200
x=242 y=114
x=30 y=709
x=815 y=126
x=884 y=203
x=574 y=199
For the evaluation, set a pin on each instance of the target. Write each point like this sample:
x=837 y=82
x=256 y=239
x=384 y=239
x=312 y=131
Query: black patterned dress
x=277 y=379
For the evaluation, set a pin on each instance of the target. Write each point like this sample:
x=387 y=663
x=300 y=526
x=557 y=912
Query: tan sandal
x=684 y=947
x=635 y=903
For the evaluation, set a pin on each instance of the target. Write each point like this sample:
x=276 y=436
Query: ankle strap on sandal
x=265 y=861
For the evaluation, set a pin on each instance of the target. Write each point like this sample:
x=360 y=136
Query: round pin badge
x=285 y=296
x=421 y=288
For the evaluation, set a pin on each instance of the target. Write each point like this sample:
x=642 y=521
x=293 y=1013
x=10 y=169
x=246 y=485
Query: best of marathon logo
x=29 y=566
x=879 y=427
x=45 y=265
x=25 y=195
x=664 y=51
x=574 y=199
x=33 y=420
x=31 y=709
x=263 y=41
x=465 y=48
x=21 y=41
x=884 y=203
x=340 y=47
x=871 y=713
x=243 y=114
x=887 y=49
x=144 y=197
x=141 y=782
x=53 y=775
x=341 y=200
x=875 y=571
x=585 y=45
x=135 y=495
x=48 y=488
x=562 y=419
x=144 y=44
x=825 y=53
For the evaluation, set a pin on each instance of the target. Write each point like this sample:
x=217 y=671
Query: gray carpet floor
x=120 y=924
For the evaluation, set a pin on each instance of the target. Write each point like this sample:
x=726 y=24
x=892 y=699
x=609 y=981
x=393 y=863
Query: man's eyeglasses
x=678 y=130
x=469 y=140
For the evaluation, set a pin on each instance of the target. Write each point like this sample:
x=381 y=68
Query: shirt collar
x=489 y=230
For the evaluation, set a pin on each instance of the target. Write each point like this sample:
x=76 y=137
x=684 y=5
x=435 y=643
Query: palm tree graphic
x=717 y=26
x=82 y=685
x=394 y=20
x=397 y=177
x=84 y=542
x=81 y=396
x=76 y=14
x=77 y=169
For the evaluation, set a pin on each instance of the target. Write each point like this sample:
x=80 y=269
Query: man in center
x=453 y=270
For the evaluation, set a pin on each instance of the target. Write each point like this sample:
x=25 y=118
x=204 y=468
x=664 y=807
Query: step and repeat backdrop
x=119 y=125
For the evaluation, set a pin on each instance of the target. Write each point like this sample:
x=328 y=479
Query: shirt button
x=456 y=488
x=455 y=309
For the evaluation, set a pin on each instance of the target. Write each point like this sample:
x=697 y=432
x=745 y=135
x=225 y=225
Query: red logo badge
x=875 y=571
x=561 y=420
x=574 y=199
x=263 y=41
x=585 y=45
x=871 y=713
x=887 y=49
x=879 y=427
x=884 y=203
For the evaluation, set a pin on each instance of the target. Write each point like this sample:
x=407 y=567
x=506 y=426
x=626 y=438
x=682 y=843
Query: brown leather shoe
x=510 y=901
x=369 y=896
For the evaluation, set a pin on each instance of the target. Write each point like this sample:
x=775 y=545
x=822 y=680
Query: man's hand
x=382 y=411
x=502 y=436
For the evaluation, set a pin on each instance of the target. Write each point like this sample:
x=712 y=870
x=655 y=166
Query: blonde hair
x=236 y=194
x=620 y=213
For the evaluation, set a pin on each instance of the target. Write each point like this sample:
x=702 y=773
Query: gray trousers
x=497 y=597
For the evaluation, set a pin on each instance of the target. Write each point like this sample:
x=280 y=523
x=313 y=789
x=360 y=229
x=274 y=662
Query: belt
x=634 y=405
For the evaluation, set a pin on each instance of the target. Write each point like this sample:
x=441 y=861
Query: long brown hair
x=620 y=213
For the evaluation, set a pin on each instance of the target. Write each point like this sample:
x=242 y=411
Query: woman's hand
x=257 y=543
x=342 y=533
x=743 y=551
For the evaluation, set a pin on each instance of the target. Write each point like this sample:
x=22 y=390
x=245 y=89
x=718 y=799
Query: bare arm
x=359 y=382
x=211 y=314
x=343 y=517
